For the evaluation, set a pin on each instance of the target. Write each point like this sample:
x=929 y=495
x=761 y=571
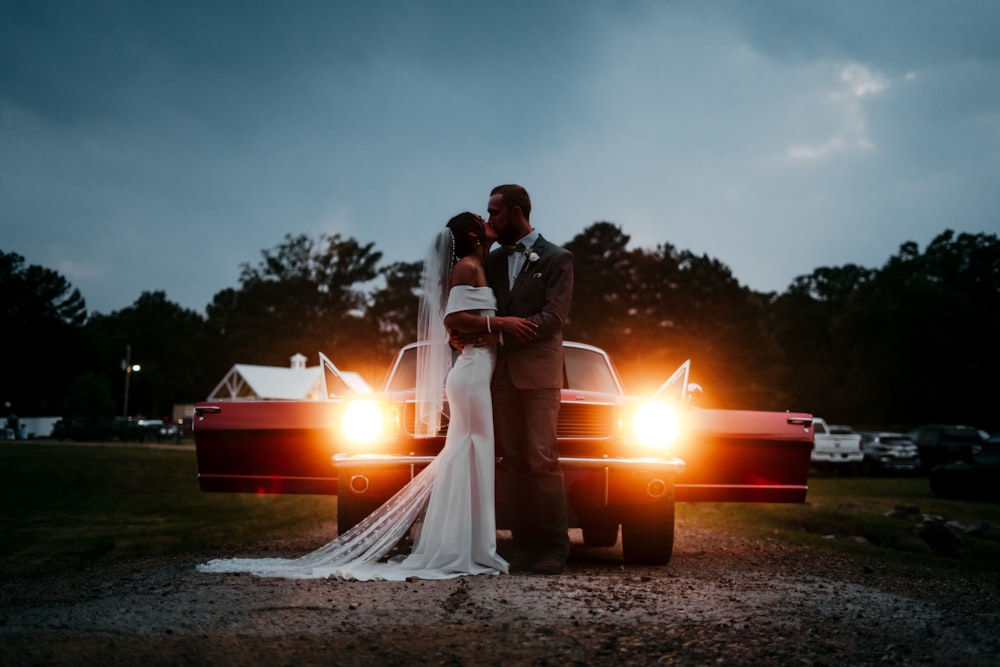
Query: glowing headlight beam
x=363 y=421
x=656 y=424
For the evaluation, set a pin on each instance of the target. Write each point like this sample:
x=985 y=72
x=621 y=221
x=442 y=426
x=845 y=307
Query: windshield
x=588 y=370
x=404 y=375
x=585 y=370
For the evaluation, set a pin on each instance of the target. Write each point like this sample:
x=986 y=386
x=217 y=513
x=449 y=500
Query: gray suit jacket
x=542 y=293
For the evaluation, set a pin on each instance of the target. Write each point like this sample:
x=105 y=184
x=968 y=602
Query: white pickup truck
x=836 y=447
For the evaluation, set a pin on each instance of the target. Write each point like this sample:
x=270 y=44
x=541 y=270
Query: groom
x=532 y=278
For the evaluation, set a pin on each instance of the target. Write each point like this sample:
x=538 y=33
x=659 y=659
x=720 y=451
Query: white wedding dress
x=449 y=505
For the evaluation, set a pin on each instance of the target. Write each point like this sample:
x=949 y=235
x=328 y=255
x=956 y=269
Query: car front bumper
x=838 y=458
x=897 y=462
x=590 y=482
x=663 y=464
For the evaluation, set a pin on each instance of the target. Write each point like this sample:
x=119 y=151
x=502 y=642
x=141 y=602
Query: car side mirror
x=693 y=395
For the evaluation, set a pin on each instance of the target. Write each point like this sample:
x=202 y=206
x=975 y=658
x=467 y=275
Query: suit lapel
x=539 y=249
x=520 y=279
x=500 y=282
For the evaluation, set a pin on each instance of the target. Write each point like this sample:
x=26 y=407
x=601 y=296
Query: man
x=532 y=278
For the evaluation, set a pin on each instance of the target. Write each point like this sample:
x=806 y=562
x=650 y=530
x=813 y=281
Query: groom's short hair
x=514 y=195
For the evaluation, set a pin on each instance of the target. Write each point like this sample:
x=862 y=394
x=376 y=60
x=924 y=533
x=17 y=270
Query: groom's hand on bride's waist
x=460 y=340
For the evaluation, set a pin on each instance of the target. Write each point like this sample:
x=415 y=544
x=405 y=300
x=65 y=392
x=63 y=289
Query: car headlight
x=656 y=424
x=363 y=421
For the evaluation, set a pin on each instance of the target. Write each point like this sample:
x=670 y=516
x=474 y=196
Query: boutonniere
x=531 y=255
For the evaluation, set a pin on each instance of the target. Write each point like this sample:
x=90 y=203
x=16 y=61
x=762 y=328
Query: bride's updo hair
x=469 y=233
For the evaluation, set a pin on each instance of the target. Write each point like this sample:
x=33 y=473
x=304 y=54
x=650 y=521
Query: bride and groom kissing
x=504 y=309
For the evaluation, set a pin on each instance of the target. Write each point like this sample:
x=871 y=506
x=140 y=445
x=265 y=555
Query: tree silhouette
x=914 y=341
x=303 y=297
x=603 y=290
x=652 y=310
x=910 y=342
x=173 y=345
x=807 y=322
x=924 y=331
x=42 y=314
x=391 y=316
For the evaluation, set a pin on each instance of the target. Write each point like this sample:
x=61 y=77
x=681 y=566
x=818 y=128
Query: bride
x=449 y=505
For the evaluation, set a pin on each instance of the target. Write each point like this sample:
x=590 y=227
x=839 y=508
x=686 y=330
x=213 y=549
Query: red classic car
x=626 y=459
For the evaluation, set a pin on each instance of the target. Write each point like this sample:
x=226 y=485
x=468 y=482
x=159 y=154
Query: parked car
x=626 y=459
x=836 y=448
x=888 y=452
x=169 y=431
x=145 y=429
x=940 y=443
x=976 y=479
x=89 y=428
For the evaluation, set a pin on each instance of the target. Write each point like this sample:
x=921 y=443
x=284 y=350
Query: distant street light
x=129 y=368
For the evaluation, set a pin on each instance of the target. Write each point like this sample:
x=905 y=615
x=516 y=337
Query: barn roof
x=296 y=382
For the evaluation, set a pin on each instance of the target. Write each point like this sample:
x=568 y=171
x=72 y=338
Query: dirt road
x=721 y=600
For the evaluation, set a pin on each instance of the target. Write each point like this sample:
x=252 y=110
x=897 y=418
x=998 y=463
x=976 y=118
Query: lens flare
x=362 y=421
x=656 y=424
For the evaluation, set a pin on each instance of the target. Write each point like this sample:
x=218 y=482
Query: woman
x=450 y=501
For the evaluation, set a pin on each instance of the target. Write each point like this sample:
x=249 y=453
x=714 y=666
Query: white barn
x=249 y=382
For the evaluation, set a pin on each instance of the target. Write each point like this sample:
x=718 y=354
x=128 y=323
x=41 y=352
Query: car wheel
x=600 y=533
x=352 y=507
x=648 y=532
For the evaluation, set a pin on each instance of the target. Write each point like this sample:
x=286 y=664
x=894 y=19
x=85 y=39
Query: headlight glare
x=363 y=421
x=656 y=424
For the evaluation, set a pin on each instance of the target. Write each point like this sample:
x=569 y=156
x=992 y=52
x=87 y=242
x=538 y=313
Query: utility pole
x=128 y=367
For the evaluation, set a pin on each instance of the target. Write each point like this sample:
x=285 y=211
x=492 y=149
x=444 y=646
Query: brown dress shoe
x=546 y=564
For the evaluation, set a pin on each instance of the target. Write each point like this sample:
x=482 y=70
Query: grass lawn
x=66 y=507
x=838 y=510
x=70 y=506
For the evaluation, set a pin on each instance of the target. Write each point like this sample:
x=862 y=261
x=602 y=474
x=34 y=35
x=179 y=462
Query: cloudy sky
x=158 y=145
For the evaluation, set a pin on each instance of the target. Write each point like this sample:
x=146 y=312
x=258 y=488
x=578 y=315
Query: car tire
x=648 y=532
x=600 y=533
x=351 y=507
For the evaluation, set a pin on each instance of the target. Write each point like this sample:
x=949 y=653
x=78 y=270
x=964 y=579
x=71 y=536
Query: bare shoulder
x=468 y=272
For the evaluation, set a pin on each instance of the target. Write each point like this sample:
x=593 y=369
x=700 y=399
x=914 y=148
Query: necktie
x=511 y=249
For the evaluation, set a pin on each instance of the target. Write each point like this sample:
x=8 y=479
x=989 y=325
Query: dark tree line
x=913 y=341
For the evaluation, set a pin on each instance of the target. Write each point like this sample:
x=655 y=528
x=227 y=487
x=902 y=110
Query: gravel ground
x=721 y=600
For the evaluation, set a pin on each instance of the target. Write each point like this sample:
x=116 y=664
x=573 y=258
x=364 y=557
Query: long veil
x=360 y=552
x=356 y=554
x=434 y=357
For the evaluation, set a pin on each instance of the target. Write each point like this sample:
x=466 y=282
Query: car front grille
x=586 y=421
x=577 y=421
